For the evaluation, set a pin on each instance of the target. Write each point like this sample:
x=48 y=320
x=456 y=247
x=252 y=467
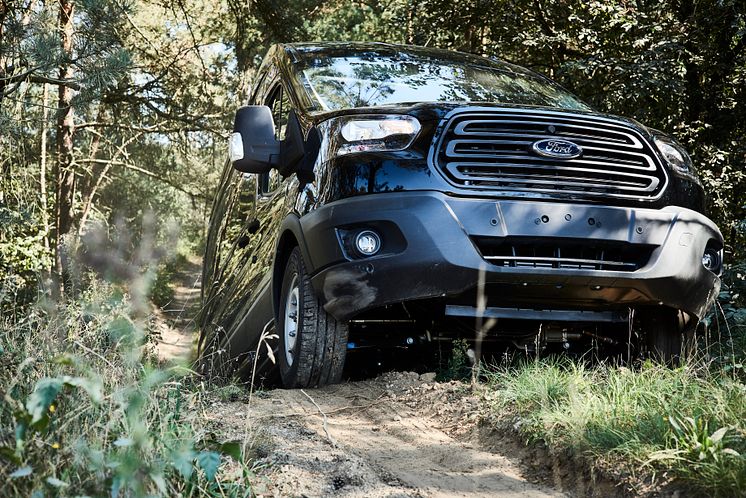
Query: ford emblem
x=556 y=148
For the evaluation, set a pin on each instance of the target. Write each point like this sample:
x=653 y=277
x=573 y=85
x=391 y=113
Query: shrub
x=88 y=411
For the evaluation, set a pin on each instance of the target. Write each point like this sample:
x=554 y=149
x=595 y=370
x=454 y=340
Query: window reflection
x=364 y=80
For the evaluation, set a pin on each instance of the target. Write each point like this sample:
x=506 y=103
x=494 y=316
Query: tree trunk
x=4 y=11
x=43 y=166
x=65 y=175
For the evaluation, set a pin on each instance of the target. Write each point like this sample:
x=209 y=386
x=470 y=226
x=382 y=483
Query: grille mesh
x=492 y=150
x=520 y=252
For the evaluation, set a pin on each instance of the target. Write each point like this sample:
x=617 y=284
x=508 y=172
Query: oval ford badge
x=559 y=149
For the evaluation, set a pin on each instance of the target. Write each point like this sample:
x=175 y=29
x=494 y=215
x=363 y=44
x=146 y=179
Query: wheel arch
x=291 y=236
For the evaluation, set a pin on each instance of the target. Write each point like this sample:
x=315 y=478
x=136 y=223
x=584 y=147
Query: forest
x=114 y=121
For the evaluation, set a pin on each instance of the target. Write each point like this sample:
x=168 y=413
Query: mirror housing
x=253 y=147
x=292 y=149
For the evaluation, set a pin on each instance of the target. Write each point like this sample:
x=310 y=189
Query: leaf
x=45 y=392
x=270 y=353
x=209 y=461
x=159 y=481
x=717 y=436
x=123 y=442
x=20 y=434
x=674 y=423
x=232 y=449
x=731 y=452
x=22 y=472
x=92 y=387
x=9 y=454
x=116 y=486
x=53 y=481
x=182 y=460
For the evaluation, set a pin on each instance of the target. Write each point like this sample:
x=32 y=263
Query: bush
x=88 y=411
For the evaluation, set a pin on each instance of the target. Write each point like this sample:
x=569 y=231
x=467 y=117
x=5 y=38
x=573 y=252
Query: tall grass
x=88 y=411
x=688 y=421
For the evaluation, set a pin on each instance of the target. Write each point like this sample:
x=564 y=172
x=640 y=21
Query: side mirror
x=253 y=146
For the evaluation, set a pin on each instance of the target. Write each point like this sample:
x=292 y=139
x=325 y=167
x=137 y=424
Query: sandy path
x=386 y=437
x=398 y=435
x=176 y=320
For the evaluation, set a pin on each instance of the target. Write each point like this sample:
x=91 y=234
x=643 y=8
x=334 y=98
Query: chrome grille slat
x=559 y=262
x=580 y=139
x=552 y=179
x=547 y=172
x=597 y=160
x=604 y=135
x=491 y=149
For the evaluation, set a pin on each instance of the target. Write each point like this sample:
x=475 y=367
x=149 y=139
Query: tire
x=315 y=355
x=669 y=336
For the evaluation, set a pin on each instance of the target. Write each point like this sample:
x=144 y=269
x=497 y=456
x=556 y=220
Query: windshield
x=365 y=80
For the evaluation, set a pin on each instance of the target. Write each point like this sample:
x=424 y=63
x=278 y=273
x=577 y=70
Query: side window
x=280 y=106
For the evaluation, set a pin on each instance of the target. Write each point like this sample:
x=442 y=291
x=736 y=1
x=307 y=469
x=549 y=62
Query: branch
x=145 y=129
x=144 y=171
x=35 y=78
x=323 y=424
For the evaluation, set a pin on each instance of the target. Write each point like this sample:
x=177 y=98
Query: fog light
x=368 y=242
x=711 y=260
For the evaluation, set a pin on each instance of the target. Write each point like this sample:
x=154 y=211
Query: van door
x=228 y=247
x=270 y=198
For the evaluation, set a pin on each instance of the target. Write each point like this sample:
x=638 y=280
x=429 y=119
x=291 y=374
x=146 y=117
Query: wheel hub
x=290 y=331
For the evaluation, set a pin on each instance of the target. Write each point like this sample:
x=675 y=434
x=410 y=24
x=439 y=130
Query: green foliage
x=161 y=291
x=458 y=366
x=87 y=409
x=688 y=421
x=230 y=392
x=23 y=255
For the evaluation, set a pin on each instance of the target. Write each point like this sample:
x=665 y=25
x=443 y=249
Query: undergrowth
x=87 y=411
x=688 y=422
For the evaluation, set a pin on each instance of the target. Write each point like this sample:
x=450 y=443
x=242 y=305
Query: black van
x=371 y=183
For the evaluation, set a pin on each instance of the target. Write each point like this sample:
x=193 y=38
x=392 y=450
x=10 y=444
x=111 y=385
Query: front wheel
x=313 y=344
x=669 y=335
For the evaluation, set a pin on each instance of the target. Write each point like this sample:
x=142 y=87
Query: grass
x=689 y=422
x=87 y=410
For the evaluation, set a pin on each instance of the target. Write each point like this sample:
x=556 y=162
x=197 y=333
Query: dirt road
x=398 y=435
x=175 y=322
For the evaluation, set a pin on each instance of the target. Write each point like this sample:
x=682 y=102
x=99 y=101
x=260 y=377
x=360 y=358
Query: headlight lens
x=378 y=133
x=675 y=155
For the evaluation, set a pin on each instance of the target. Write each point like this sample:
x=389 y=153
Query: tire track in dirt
x=376 y=438
x=391 y=436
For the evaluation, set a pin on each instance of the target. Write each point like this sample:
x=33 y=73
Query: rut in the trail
x=384 y=437
x=398 y=435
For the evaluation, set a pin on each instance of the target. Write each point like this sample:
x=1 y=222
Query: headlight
x=675 y=155
x=377 y=133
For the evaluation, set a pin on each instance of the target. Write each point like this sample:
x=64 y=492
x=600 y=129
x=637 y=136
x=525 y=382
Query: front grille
x=520 y=252
x=492 y=149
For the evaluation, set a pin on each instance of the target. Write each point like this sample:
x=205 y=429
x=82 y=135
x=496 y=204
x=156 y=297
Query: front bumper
x=435 y=255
